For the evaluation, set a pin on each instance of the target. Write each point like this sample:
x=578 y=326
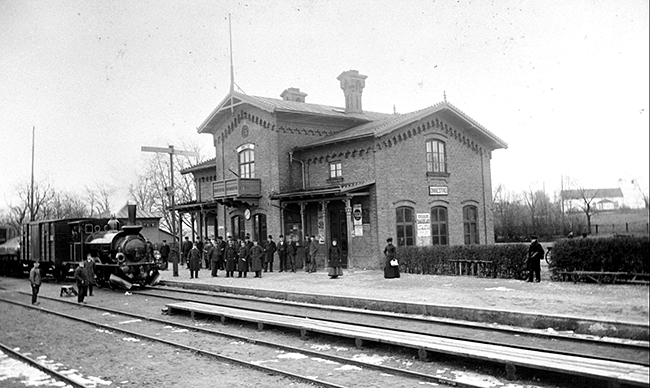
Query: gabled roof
x=379 y=128
x=210 y=163
x=364 y=124
x=274 y=105
x=592 y=193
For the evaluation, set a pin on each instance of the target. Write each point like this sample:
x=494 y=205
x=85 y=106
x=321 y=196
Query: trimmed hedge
x=508 y=260
x=614 y=254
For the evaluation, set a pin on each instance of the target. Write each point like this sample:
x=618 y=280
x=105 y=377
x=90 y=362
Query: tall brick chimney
x=352 y=84
x=293 y=94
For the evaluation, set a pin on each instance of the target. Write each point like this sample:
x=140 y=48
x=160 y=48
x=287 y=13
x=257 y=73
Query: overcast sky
x=564 y=83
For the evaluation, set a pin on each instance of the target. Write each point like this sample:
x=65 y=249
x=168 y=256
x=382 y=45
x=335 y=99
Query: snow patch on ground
x=370 y=359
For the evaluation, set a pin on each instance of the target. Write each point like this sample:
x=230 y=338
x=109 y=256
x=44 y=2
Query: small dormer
x=293 y=94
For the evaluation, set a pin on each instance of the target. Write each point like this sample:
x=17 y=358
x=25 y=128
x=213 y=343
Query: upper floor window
x=470 y=224
x=439 y=227
x=436 y=157
x=246 y=155
x=335 y=170
x=405 y=226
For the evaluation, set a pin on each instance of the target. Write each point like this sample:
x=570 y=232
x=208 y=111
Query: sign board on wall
x=423 y=229
x=357 y=220
x=438 y=190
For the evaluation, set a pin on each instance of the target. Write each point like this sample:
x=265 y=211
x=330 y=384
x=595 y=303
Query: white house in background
x=599 y=199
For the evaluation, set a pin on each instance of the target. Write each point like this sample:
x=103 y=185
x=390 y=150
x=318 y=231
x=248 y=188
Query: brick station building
x=285 y=166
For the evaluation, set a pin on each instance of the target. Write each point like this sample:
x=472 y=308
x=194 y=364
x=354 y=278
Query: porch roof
x=323 y=192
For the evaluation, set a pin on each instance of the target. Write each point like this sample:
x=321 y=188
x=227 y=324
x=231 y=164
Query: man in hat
x=535 y=254
x=164 y=253
x=35 y=281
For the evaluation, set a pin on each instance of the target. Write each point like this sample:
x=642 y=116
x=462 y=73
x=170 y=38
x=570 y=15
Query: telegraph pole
x=171 y=190
x=31 y=190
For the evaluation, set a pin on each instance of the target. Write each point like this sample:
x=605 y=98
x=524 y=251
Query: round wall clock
x=247 y=214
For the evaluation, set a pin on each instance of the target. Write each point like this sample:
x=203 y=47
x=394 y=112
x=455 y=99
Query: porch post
x=302 y=223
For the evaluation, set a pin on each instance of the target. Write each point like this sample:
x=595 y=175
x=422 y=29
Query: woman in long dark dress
x=390 y=271
x=334 y=261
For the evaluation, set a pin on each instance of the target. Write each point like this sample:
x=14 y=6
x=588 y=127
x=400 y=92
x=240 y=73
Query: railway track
x=266 y=352
x=632 y=352
x=408 y=377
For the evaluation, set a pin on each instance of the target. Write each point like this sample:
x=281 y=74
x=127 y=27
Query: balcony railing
x=237 y=187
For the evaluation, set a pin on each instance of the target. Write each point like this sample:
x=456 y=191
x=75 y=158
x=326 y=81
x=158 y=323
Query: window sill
x=335 y=180
x=438 y=174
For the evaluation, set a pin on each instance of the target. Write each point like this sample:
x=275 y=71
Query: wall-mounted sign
x=438 y=190
x=423 y=229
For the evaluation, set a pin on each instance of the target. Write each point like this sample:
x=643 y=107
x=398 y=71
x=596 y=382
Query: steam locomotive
x=122 y=258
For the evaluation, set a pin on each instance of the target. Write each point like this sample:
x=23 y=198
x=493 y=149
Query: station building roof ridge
x=275 y=105
x=379 y=128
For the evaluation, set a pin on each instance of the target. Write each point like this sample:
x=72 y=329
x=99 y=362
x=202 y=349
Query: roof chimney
x=293 y=94
x=352 y=84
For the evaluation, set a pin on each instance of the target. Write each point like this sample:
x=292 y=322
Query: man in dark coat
x=313 y=254
x=230 y=258
x=243 y=260
x=164 y=253
x=81 y=278
x=90 y=273
x=269 y=251
x=535 y=254
x=199 y=246
x=221 y=245
x=214 y=257
x=35 y=281
x=195 y=262
x=185 y=250
x=292 y=249
x=257 y=256
x=282 y=253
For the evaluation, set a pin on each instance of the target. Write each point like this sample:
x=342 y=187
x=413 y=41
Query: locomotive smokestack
x=132 y=212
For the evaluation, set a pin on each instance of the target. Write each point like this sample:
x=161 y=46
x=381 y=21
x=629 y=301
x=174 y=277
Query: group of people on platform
x=248 y=255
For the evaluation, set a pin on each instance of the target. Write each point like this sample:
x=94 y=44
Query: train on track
x=122 y=257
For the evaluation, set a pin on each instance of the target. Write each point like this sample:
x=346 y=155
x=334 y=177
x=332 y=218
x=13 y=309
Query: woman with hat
x=391 y=265
x=334 y=261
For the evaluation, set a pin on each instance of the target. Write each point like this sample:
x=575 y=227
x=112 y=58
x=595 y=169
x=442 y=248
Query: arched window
x=246 y=155
x=439 y=228
x=436 y=158
x=259 y=227
x=470 y=224
x=405 y=226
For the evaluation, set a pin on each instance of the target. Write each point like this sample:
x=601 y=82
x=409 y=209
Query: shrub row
x=507 y=260
x=615 y=254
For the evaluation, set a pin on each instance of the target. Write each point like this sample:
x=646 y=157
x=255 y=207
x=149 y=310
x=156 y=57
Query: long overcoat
x=242 y=262
x=195 y=259
x=256 y=254
x=231 y=258
x=269 y=251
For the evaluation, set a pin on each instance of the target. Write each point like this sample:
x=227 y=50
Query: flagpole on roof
x=232 y=68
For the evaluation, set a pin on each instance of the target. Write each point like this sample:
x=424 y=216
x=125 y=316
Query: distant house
x=599 y=199
x=150 y=223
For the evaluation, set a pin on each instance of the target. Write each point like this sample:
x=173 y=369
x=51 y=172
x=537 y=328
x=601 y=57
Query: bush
x=508 y=260
x=614 y=254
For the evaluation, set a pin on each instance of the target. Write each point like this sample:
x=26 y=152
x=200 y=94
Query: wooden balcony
x=242 y=190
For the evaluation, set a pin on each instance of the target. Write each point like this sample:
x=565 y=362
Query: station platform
x=591 y=309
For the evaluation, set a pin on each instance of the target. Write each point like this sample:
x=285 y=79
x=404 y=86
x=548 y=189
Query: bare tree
x=25 y=210
x=65 y=205
x=586 y=198
x=154 y=189
x=644 y=193
x=98 y=198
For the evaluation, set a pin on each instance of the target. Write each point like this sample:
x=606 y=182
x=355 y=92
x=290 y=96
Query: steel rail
x=391 y=316
x=387 y=369
x=41 y=367
x=442 y=321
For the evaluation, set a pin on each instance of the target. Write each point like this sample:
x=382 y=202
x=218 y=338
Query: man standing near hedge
x=535 y=254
